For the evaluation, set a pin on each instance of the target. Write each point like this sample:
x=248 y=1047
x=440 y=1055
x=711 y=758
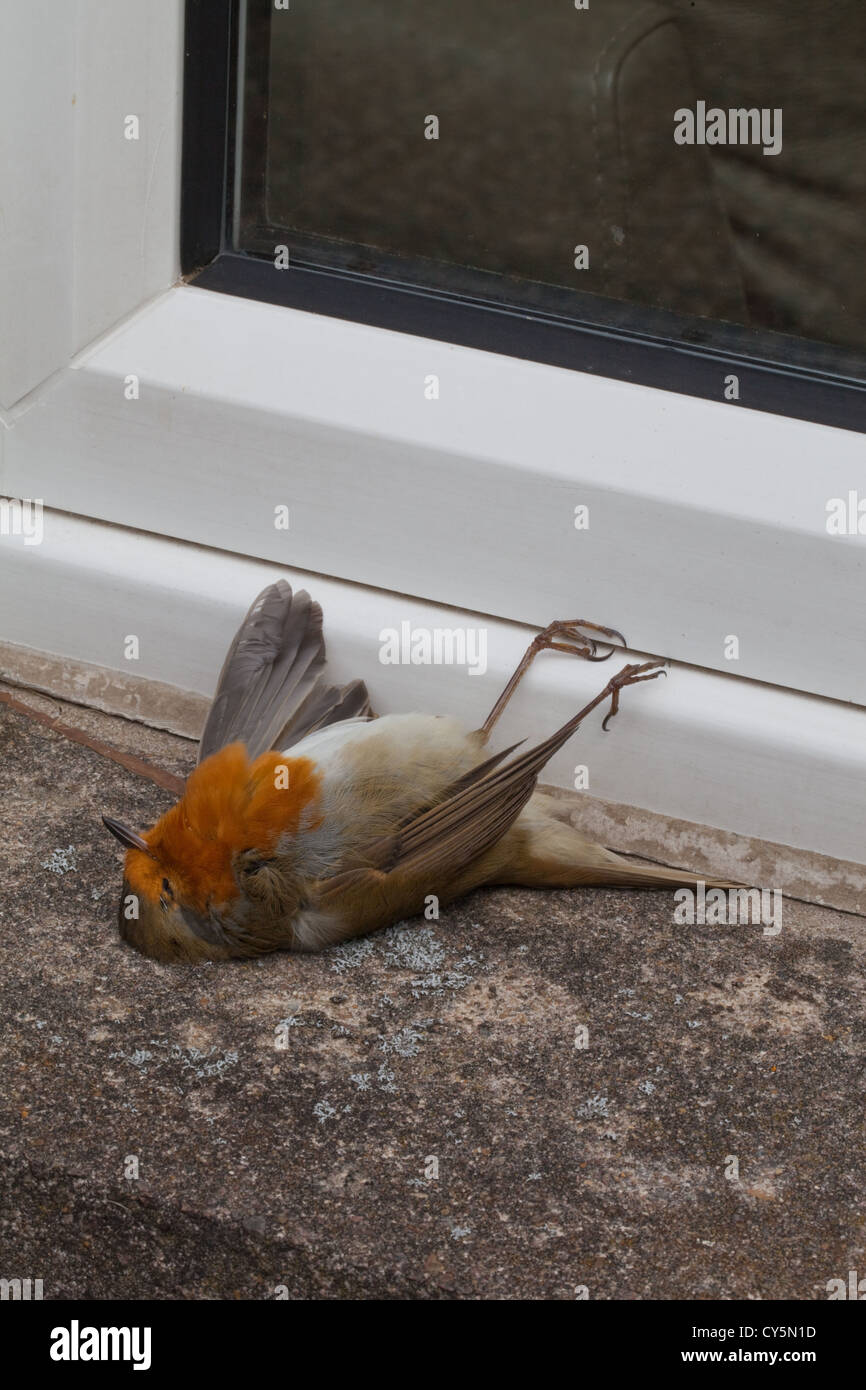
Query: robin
x=308 y=820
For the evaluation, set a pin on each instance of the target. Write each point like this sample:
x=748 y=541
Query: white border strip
x=705 y=748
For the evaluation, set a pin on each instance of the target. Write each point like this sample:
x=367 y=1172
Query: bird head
x=216 y=876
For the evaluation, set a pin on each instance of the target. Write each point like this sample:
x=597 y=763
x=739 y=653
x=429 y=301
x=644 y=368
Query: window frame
x=618 y=340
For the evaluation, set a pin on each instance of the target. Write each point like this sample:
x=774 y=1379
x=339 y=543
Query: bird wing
x=270 y=691
x=429 y=850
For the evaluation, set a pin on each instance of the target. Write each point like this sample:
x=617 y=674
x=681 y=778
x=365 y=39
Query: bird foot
x=578 y=643
x=630 y=675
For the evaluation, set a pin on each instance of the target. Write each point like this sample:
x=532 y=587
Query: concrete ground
x=409 y=1116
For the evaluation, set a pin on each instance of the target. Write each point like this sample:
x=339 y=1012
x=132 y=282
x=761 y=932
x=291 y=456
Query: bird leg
x=578 y=644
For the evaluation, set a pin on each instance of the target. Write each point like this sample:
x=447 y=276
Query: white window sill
x=706 y=521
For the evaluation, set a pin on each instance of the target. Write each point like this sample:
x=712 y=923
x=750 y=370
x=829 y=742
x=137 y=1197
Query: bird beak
x=126 y=836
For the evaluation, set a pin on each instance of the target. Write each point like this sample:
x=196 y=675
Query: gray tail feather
x=270 y=691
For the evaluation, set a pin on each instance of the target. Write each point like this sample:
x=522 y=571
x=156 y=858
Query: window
x=667 y=193
x=183 y=418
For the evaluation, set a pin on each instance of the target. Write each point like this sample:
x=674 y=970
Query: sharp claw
x=592 y=654
x=614 y=709
x=609 y=632
x=630 y=675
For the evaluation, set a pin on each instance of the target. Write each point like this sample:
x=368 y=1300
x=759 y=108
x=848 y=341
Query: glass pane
x=702 y=158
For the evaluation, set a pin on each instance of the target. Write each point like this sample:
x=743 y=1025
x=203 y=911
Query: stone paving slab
x=408 y=1116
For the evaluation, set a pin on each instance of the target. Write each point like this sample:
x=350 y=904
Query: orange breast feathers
x=229 y=804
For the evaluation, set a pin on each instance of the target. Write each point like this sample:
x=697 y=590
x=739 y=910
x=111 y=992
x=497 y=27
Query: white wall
x=88 y=218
